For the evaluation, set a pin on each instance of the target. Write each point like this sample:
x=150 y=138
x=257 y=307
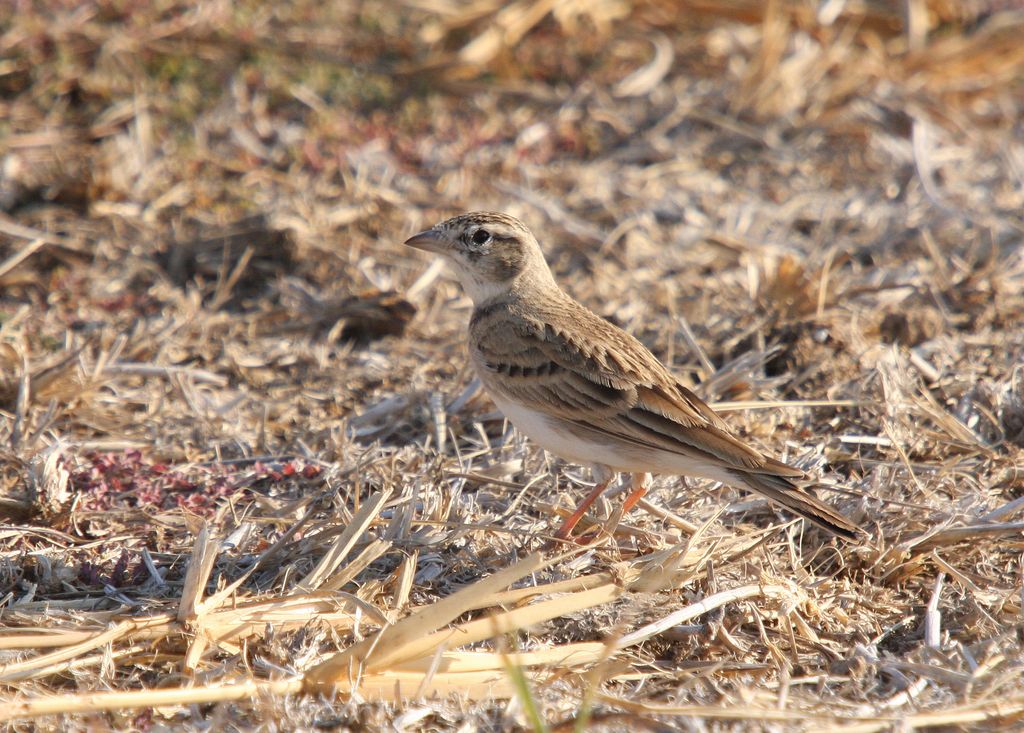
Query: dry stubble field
x=246 y=479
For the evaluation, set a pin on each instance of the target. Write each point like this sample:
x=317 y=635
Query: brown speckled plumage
x=584 y=388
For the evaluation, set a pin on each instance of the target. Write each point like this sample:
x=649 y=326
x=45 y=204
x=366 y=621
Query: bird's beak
x=430 y=241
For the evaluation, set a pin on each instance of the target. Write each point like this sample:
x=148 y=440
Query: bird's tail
x=783 y=491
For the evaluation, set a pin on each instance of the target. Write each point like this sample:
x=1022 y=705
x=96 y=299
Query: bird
x=584 y=389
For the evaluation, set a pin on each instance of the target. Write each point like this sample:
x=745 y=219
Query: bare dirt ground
x=247 y=482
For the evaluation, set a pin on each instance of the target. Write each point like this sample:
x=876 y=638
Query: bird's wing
x=607 y=382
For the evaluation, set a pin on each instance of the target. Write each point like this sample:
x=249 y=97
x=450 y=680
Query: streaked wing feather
x=782 y=491
x=617 y=388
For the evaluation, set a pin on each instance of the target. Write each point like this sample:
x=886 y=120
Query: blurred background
x=204 y=299
x=265 y=160
x=254 y=167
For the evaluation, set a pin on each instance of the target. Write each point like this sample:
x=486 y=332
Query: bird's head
x=490 y=253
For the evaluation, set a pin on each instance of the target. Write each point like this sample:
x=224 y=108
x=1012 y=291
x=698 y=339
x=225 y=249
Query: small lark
x=586 y=390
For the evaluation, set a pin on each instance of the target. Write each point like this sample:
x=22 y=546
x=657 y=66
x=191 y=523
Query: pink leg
x=576 y=516
x=641 y=482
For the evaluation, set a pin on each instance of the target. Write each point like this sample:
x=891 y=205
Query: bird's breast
x=546 y=432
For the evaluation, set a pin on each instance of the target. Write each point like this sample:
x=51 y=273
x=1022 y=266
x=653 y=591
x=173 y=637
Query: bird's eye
x=481 y=236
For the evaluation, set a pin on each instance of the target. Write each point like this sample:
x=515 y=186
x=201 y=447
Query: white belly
x=540 y=429
x=543 y=431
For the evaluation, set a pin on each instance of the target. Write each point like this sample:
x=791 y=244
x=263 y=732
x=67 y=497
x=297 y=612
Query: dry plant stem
x=21 y=255
x=99 y=701
x=12 y=228
x=27 y=668
x=406 y=638
x=485 y=628
x=344 y=543
x=988 y=710
x=700 y=608
x=204 y=554
x=669 y=517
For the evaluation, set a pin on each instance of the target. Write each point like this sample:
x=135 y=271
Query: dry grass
x=247 y=480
